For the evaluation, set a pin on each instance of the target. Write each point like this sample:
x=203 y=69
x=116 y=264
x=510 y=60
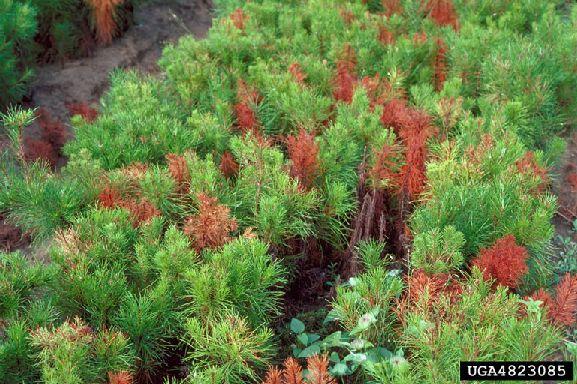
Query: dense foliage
x=391 y=156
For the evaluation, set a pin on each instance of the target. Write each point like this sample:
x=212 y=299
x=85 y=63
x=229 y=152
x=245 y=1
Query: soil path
x=85 y=80
x=565 y=188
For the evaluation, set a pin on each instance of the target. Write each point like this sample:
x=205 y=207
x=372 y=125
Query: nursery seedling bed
x=358 y=189
x=84 y=80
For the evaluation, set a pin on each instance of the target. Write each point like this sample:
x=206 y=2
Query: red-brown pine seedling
x=88 y=113
x=178 y=169
x=424 y=290
x=421 y=286
x=35 y=150
x=239 y=19
x=121 y=377
x=318 y=372
x=392 y=7
x=109 y=198
x=297 y=73
x=344 y=85
x=414 y=128
x=415 y=131
x=103 y=13
x=440 y=64
x=246 y=119
x=347 y=16
x=395 y=112
x=228 y=165
x=303 y=152
x=527 y=165
x=384 y=172
x=563 y=309
x=385 y=36
x=413 y=174
x=318 y=367
x=443 y=13
x=372 y=85
x=504 y=261
x=141 y=211
x=273 y=376
x=212 y=226
x=345 y=79
x=292 y=372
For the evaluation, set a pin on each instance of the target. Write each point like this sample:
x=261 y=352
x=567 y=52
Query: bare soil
x=565 y=188
x=11 y=237
x=86 y=79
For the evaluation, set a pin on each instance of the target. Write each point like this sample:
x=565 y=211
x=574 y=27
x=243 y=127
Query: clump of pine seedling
x=291 y=373
x=388 y=160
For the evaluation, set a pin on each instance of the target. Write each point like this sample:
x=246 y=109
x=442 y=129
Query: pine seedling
x=88 y=354
x=228 y=343
x=241 y=276
x=14 y=121
x=561 y=308
x=504 y=261
x=18 y=25
x=147 y=320
x=374 y=291
x=303 y=153
x=212 y=226
x=228 y=165
x=443 y=13
x=438 y=251
x=17 y=360
x=103 y=14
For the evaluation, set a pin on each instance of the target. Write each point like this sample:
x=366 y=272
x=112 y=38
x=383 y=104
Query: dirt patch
x=565 y=188
x=11 y=237
x=86 y=79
